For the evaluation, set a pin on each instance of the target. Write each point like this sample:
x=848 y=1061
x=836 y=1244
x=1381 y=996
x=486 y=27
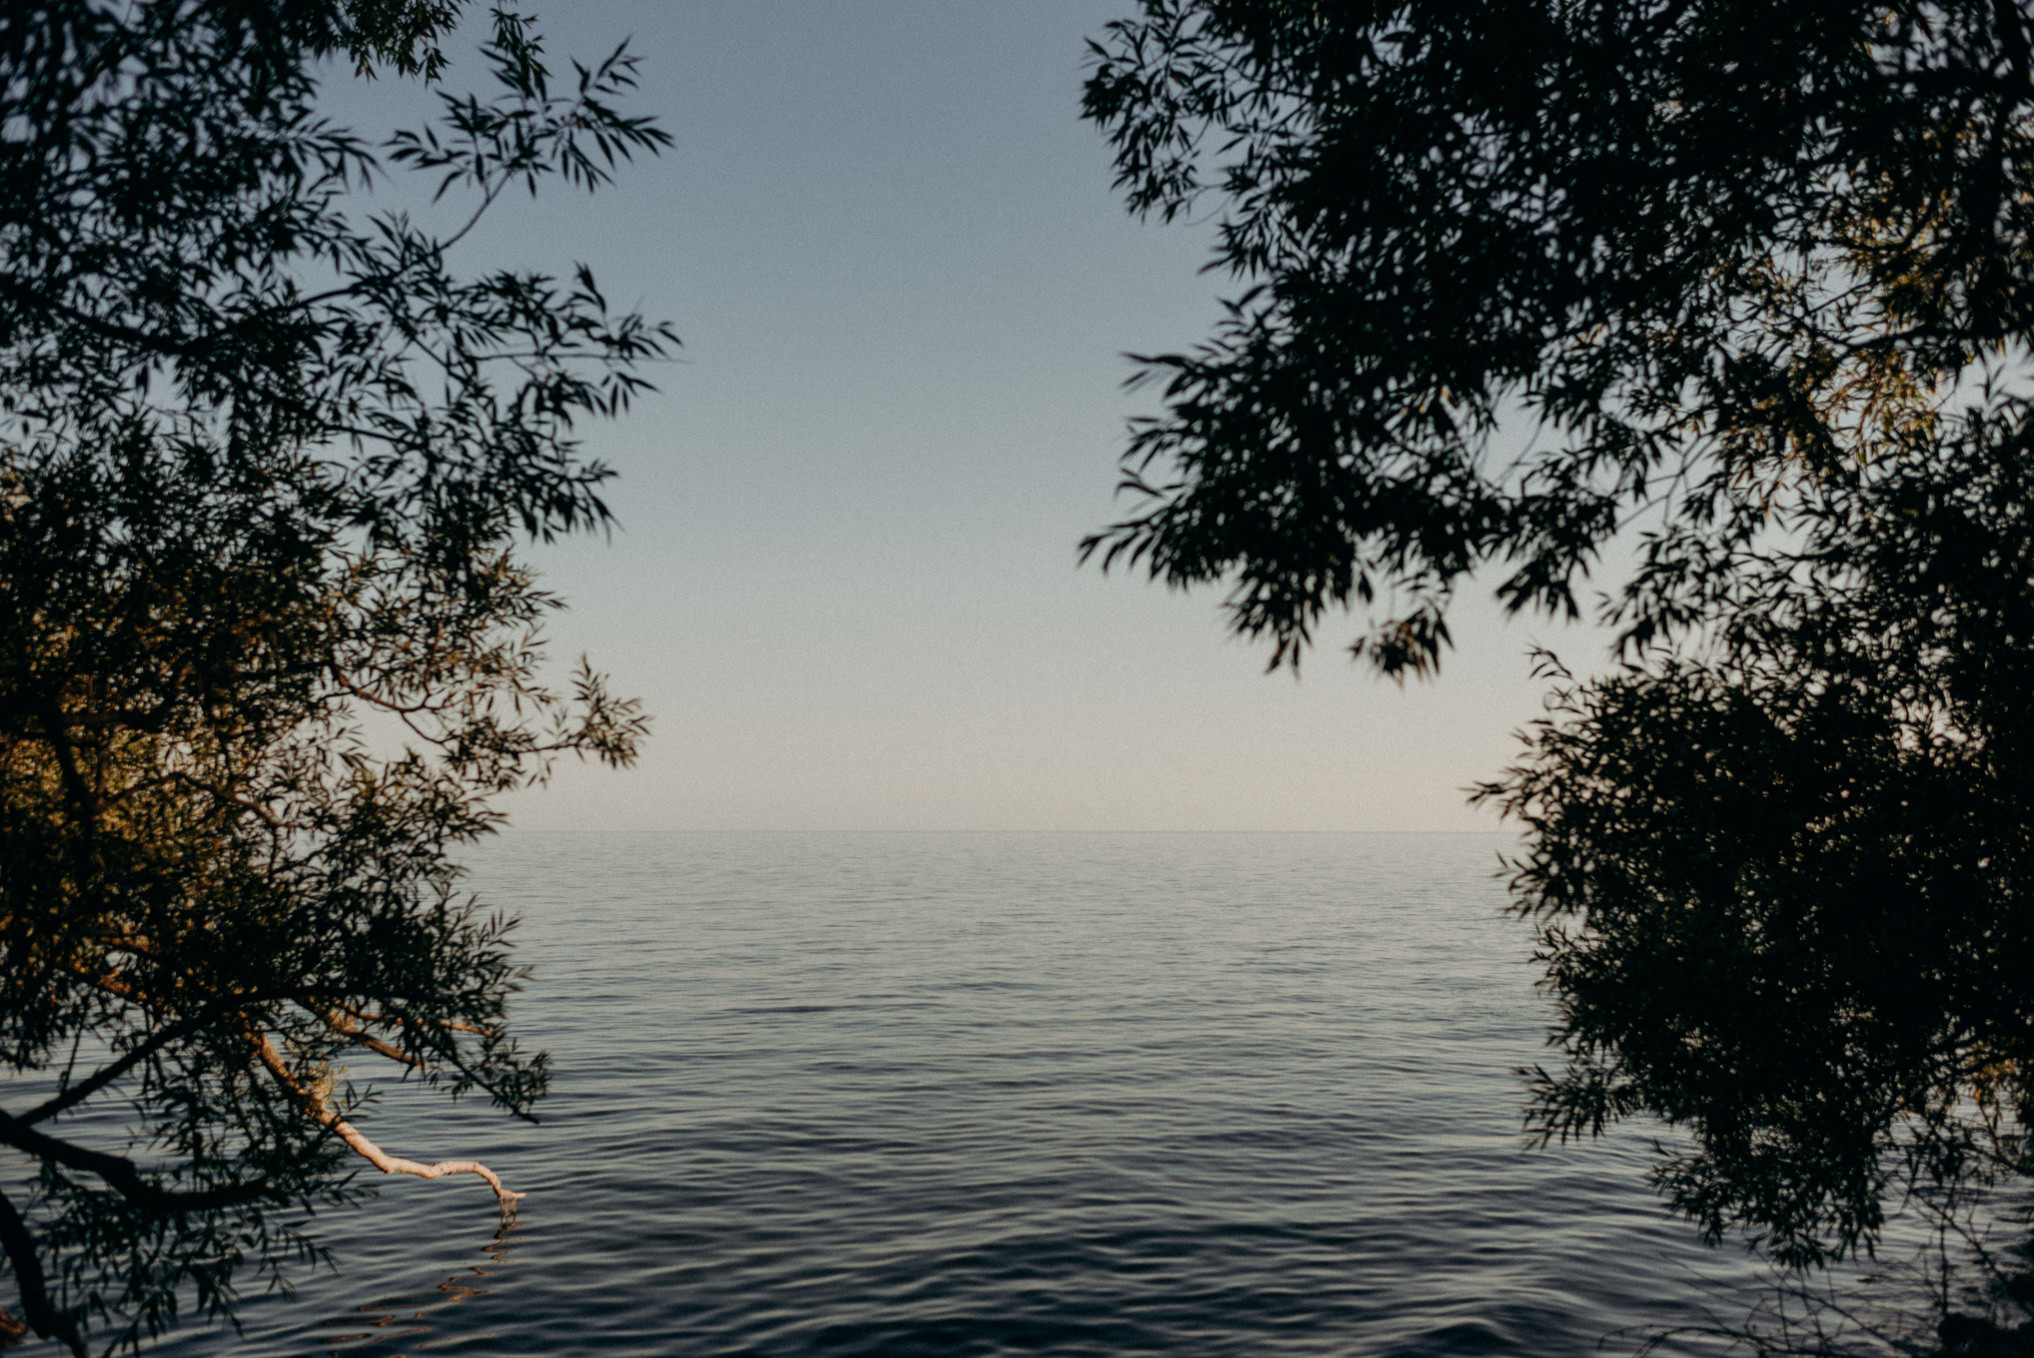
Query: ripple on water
x=1003 y=1094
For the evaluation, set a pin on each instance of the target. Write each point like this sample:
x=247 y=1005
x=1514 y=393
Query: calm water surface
x=986 y=1094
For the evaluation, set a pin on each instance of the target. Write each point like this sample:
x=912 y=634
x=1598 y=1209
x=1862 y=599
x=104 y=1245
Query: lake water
x=993 y=1094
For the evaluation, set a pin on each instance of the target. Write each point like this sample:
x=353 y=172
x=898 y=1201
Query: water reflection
x=982 y=1096
x=375 y=1329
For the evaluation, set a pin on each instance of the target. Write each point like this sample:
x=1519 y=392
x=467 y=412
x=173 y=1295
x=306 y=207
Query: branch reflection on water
x=372 y=1329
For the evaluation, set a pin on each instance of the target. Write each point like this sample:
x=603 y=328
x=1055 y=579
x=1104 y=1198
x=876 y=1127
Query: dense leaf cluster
x=1701 y=249
x=266 y=651
x=1784 y=880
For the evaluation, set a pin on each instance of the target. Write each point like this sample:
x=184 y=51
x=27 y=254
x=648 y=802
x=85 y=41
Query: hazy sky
x=845 y=582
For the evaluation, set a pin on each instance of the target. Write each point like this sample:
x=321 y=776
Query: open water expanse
x=964 y=1094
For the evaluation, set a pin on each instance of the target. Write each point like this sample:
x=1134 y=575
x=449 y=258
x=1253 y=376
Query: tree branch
x=28 y=1277
x=123 y=1175
x=322 y=1112
x=107 y=1074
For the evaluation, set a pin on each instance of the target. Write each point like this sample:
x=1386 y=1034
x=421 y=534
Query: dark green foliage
x=266 y=652
x=1752 y=287
x=1705 y=251
x=1783 y=878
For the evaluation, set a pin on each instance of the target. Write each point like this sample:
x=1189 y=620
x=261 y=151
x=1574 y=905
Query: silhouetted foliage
x=1782 y=876
x=266 y=651
x=1750 y=288
x=1707 y=251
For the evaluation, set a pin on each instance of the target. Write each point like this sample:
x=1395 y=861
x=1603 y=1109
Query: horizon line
x=949 y=830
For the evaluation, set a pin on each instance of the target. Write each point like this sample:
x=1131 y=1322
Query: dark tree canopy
x=1752 y=287
x=1784 y=880
x=1705 y=251
x=266 y=649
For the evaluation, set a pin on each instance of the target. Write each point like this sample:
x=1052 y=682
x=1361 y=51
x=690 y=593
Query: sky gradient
x=845 y=578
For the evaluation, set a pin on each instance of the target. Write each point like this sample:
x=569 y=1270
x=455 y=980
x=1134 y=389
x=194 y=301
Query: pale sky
x=845 y=580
